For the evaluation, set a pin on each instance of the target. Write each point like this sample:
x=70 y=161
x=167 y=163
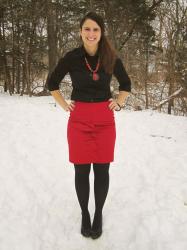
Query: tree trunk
x=7 y=76
x=51 y=36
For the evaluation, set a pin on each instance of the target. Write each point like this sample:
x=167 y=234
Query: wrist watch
x=119 y=107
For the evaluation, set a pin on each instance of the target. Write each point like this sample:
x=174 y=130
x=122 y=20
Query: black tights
x=101 y=185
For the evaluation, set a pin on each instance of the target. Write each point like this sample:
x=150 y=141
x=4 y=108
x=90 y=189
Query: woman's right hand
x=69 y=107
x=61 y=101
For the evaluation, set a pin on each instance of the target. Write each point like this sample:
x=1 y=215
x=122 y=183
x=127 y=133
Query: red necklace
x=95 y=76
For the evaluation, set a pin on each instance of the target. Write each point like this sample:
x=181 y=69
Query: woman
x=91 y=131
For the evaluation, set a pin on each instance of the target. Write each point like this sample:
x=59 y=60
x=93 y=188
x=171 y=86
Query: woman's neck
x=91 y=50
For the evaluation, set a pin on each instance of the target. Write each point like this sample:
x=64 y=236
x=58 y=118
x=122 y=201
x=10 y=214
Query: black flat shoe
x=86 y=225
x=96 y=230
x=86 y=232
x=96 y=234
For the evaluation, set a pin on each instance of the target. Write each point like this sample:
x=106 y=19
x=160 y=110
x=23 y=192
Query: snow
x=146 y=207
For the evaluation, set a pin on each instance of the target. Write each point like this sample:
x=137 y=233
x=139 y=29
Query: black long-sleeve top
x=84 y=87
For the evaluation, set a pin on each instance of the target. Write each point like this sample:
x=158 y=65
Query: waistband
x=93 y=100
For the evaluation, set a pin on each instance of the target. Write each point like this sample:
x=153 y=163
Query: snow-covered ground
x=146 y=207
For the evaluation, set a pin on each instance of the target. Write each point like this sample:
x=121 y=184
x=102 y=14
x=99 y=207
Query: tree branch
x=179 y=93
x=150 y=9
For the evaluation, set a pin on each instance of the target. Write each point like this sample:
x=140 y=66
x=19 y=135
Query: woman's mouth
x=91 y=39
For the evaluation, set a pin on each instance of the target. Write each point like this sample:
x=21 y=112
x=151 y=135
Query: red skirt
x=91 y=133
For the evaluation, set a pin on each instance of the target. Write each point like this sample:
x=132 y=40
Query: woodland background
x=149 y=35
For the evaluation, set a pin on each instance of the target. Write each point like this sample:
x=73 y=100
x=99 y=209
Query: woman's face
x=90 y=33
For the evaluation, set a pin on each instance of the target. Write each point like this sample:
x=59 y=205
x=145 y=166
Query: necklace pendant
x=95 y=76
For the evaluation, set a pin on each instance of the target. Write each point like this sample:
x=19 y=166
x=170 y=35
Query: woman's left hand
x=113 y=105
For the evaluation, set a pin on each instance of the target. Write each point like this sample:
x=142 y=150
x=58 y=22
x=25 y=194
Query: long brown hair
x=107 y=53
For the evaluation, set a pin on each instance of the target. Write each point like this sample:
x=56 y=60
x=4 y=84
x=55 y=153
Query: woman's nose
x=91 y=32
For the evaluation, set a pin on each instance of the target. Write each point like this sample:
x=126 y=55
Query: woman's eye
x=88 y=29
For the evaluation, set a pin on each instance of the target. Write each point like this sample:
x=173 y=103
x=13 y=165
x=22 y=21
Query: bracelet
x=119 y=107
